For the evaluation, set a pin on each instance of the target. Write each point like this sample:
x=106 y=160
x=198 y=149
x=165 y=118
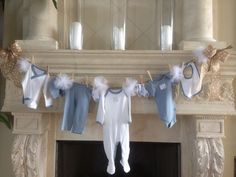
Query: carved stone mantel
x=217 y=96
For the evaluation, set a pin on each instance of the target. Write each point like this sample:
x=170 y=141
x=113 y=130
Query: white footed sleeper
x=114 y=114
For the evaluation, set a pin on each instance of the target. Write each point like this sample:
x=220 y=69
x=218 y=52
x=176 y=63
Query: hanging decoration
x=221 y=56
x=176 y=72
x=100 y=85
x=8 y=63
x=63 y=82
x=212 y=57
x=200 y=56
x=23 y=65
x=208 y=60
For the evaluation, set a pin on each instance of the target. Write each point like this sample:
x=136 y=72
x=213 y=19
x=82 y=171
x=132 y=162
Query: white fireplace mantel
x=217 y=96
x=199 y=129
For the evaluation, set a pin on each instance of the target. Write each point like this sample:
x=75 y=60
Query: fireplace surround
x=200 y=121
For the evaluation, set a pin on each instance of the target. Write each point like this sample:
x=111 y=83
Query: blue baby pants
x=76 y=107
x=161 y=89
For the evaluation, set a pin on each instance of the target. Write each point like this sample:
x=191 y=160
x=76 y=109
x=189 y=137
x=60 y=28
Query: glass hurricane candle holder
x=118 y=24
x=166 y=16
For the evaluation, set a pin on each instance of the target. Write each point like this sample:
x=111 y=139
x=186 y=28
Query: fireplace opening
x=88 y=159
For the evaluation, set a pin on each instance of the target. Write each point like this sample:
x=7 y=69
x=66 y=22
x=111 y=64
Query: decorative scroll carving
x=214 y=89
x=203 y=159
x=18 y=155
x=32 y=161
x=210 y=157
x=28 y=156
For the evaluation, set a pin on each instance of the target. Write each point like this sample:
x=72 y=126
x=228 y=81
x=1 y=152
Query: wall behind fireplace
x=6 y=140
x=226 y=23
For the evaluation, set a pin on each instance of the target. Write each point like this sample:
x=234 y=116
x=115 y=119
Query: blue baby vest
x=161 y=89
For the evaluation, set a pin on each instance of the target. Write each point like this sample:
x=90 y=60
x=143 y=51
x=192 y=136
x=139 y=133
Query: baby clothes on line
x=114 y=114
x=35 y=79
x=161 y=89
x=191 y=85
x=54 y=91
x=141 y=91
x=47 y=95
x=76 y=107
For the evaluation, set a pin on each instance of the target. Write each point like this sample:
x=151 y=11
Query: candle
x=118 y=38
x=166 y=37
x=76 y=36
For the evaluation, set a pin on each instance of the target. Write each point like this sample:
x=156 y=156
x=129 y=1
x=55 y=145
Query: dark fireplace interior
x=234 y=166
x=88 y=159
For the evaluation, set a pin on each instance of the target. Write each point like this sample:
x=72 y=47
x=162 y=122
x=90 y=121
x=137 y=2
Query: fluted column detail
x=198 y=20
x=198 y=25
x=209 y=148
x=39 y=20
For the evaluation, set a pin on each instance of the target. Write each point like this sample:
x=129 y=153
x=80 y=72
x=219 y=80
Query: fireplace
x=87 y=158
x=199 y=128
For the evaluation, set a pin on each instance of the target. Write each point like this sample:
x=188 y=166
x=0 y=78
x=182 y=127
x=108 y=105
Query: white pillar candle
x=118 y=11
x=76 y=36
x=166 y=37
x=118 y=38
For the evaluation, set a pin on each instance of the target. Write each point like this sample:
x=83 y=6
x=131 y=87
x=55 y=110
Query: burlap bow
x=8 y=63
x=215 y=56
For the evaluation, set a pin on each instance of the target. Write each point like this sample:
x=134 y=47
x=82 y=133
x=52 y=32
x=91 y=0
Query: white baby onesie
x=46 y=92
x=114 y=113
x=191 y=85
x=32 y=85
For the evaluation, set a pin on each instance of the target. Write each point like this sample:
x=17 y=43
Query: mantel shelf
x=116 y=65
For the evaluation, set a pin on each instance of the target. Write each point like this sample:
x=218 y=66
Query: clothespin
x=141 y=79
x=86 y=80
x=149 y=74
x=33 y=61
x=47 y=69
